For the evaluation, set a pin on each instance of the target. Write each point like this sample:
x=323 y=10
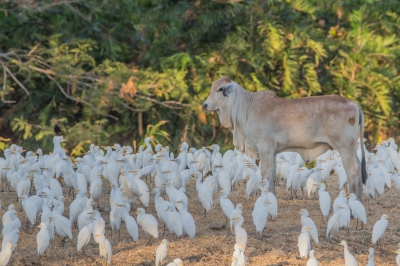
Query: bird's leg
x=84 y=252
x=362 y=226
x=111 y=232
x=148 y=241
x=295 y=193
x=2 y=186
x=205 y=213
x=302 y=191
x=163 y=230
x=356 y=224
x=63 y=242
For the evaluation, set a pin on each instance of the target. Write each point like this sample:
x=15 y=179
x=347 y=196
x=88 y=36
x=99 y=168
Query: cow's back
x=302 y=122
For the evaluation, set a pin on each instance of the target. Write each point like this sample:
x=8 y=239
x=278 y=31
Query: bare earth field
x=276 y=246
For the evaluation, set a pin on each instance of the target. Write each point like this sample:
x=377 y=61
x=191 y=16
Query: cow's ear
x=227 y=90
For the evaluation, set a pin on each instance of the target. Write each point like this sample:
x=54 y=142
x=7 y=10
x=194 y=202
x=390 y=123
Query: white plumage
x=349 y=259
x=303 y=242
x=379 y=229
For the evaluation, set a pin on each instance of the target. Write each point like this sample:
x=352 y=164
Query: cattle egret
x=349 y=259
x=42 y=238
x=304 y=241
x=5 y=254
x=313 y=260
x=324 y=201
x=161 y=252
x=105 y=248
x=260 y=215
x=226 y=205
x=204 y=194
x=333 y=225
x=11 y=237
x=188 y=224
x=371 y=257
x=235 y=214
x=240 y=232
x=307 y=221
x=239 y=258
x=357 y=209
x=174 y=220
x=379 y=229
x=131 y=225
x=176 y=262
x=148 y=223
x=84 y=235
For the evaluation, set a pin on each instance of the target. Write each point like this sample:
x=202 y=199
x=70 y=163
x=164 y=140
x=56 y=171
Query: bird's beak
x=234 y=218
x=267 y=202
x=91 y=218
x=179 y=201
x=37 y=226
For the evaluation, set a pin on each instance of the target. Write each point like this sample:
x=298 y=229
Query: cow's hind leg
x=351 y=164
x=268 y=167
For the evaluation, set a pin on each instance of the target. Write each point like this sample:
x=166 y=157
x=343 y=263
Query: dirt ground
x=276 y=246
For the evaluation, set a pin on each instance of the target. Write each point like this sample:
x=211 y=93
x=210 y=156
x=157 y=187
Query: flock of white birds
x=36 y=180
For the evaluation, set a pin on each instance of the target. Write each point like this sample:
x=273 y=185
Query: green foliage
x=87 y=69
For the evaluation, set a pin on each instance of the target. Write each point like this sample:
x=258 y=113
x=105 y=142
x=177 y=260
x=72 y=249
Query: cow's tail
x=364 y=174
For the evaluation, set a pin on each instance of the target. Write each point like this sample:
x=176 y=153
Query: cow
x=264 y=125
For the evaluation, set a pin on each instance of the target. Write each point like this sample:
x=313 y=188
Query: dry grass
x=216 y=247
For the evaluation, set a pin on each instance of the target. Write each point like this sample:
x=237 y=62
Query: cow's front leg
x=268 y=167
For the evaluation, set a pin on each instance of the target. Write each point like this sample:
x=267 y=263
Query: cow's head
x=222 y=99
x=220 y=91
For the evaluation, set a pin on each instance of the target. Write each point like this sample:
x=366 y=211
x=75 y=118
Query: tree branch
x=14 y=78
x=78 y=100
x=4 y=88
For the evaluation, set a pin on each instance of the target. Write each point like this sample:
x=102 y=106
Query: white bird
x=62 y=225
x=176 y=262
x=333 y=225
x=84 y=235
x=240 y=232
x=235 y=214
x=115 y=218
x=313 y=260
x=11 y=237
x=307 y=221
x=371 y=257
x=148 y=223
x=42 y=238
x=379 y=229
x=174 y=220
x=349 y=259
x=324 y=201
x=188 y=224
x=105 y=248
x=204 y=194
x=226 y=205
x=357 y=209
x=260 y=215
x=5 y=254
x=239 y=258
x=161 y=252
x=131 y=225
x=303 y=241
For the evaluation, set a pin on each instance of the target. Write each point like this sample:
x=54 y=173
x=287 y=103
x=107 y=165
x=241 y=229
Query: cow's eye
x=220 y=89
